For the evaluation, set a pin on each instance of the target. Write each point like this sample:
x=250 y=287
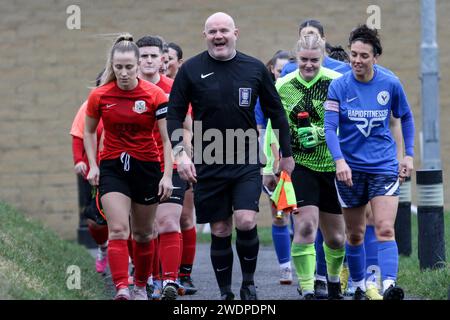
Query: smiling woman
x=363 y=56
x=311 y=50
x=359 y=104
x=304 y=91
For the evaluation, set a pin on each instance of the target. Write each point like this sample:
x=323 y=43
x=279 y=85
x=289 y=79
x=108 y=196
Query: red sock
x=187 y=258
x=169 y=246
x=180 y=234
x=143 y=253
x=99 y=233
x=130 y=248
x=155 y=263
x=118 y=262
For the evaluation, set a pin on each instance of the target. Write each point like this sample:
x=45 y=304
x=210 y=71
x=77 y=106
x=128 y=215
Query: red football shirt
x=129 y=117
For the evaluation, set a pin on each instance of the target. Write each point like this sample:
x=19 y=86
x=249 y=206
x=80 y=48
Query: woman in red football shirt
x=129 y=177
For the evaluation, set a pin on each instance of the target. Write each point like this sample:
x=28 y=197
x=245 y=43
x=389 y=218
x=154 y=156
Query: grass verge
x=36 y=264
x=428 y=284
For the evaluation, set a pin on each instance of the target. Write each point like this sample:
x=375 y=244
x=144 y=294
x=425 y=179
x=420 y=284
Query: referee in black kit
x=222 y=86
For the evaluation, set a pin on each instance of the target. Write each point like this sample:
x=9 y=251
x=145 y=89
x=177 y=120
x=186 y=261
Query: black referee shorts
x=215 y=199
x=138 y=180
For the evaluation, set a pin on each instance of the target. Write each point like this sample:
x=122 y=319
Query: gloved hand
x=311 y=137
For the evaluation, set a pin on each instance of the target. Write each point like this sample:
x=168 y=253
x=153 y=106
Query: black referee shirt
x=223 y=96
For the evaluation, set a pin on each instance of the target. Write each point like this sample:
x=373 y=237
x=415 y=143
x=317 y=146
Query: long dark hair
x=366 y=35
x=337 y=52
x=280 y=54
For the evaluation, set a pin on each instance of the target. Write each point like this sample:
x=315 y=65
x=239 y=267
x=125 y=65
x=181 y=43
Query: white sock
x=387 y=283
x=285 y=265
x=334 y=279
x=139 y=287
x=321 y=278
x=123 y=290
x=165 y=282
x=361 y=284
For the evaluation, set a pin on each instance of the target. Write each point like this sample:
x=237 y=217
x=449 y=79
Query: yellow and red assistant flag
x=283 y=196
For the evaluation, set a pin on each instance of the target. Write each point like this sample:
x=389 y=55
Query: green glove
x=311 y=137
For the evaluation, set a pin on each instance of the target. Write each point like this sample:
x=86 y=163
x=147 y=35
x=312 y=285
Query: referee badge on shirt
x=245 y=97
x=139 y=106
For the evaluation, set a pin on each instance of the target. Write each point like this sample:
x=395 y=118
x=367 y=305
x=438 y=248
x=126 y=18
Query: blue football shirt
x=364 y=111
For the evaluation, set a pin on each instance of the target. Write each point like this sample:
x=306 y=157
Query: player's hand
x=270 y=182
x=165 y=188
x=344 y=173
x=80 y=168
x=93 y=176
x=287 y=164
x=405 y=168
x=311 y=137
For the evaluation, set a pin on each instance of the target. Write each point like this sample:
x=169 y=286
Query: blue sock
x=356 y=257
x=321 y=265
x=388 y=259
x=371 y=246
x=282 y=243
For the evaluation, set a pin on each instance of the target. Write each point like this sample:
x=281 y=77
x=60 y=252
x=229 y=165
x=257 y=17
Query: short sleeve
x=93 y=107
x=77 y=129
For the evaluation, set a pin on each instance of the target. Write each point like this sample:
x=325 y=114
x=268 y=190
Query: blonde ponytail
x=311 y=41
x=123 y=43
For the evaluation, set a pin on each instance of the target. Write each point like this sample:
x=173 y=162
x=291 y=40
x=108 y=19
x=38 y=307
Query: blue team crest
x=383 y=97
x=245 y=97
x=139 y=106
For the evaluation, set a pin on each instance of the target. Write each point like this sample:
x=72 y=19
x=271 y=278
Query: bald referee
x=222 y=85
